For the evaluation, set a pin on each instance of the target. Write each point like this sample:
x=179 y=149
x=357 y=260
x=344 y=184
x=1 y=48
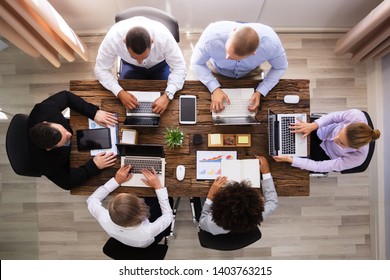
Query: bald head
x=242 y=43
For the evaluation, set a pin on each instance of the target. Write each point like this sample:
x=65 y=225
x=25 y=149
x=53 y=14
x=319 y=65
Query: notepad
x=244 y=169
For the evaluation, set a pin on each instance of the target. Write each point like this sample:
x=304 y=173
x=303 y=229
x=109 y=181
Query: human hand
x=123 y=175
x=151 y=178
x=161 y=104
x=264 y=165
x=215 y=187
x=217 y=99
x=104 y=160
x=283 y=159
x=128 y=100
x=105 y=118
x=303 y=127
x=254 y=103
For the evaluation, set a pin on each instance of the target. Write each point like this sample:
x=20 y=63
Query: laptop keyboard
x=139 y=164
x=288 y=138
x=143 y=108
x=236 y=107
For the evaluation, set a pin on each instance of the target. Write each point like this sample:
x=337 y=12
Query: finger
x=146 y=182
x=227 y=99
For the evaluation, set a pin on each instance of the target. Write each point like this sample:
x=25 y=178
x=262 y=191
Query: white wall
x=194 y=15
x=386 y=139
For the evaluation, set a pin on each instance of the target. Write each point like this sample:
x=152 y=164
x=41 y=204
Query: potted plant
x=174 y=137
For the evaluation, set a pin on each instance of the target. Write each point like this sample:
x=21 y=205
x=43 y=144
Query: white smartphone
x=187 y=109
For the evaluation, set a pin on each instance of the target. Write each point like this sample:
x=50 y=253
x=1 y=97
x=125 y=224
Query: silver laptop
x=281 y=140
x=143 y=115
x=142 y=157
x=237 y=112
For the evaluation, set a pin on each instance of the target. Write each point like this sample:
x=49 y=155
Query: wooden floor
x=40 y=221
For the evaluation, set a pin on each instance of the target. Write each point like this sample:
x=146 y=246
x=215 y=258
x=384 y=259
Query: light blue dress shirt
x=211 y=46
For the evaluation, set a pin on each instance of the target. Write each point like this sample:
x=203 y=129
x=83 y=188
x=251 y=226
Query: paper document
x=244 y=169
x=113 y=134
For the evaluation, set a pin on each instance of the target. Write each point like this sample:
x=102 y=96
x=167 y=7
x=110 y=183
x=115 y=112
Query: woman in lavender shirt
x=343 y=137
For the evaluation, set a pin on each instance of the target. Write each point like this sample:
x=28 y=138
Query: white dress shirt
x=138 y=236
x=211 y=46
x=164 y=47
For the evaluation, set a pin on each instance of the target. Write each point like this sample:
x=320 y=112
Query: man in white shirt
x=148 y=51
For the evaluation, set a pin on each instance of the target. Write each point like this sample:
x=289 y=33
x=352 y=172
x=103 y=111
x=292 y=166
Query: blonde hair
x=360 y=134
x=127 y=210
x=245 y=41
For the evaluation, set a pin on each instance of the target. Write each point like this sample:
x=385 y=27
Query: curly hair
x=237 y=207
x=127 y=210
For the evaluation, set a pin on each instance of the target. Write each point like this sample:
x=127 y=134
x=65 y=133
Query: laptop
x=281 y=140
x=237 y=112
x=142 y=116
x=140 y=157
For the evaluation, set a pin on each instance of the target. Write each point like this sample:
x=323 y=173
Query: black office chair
x=357 y=169
x=17 y=147
x=119 y=251
x=229 y=241
x=154 y=14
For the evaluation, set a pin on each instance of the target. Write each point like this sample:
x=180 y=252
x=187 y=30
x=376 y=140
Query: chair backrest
x=371 y=149
x=17 y=146
x=154 y=14
x=119 y=251
x=229 y=241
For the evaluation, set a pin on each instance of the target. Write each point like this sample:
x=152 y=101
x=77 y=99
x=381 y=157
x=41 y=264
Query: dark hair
x=138 y=40
x=237 y=207
x=44 y=135
x=128 y=210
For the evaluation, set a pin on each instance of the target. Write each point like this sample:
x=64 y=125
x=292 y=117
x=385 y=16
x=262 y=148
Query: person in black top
x=49 y=137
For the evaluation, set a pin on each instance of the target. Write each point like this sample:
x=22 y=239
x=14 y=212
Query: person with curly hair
x=237 y=206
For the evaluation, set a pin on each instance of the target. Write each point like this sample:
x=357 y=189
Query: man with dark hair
x=50 y=133
x=235 y=49
x=148 y=51
x=237 y=207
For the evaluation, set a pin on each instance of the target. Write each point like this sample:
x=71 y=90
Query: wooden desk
x=289 y=181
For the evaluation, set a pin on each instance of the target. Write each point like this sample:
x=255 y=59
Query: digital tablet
x=92 y=139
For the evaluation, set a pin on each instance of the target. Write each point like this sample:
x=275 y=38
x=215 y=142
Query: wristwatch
x=170 y=95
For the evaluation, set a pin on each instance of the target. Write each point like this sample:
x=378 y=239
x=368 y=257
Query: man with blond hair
x=235 y=50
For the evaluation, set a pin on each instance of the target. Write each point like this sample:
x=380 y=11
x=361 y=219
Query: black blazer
x=55 y=164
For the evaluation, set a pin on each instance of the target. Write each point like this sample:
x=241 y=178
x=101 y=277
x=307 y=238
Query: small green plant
x=174 y=137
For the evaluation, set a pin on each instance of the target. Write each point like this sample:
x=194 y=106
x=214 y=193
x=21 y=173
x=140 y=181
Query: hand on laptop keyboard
x=217 y=99
x=151 y=179
x=128 y=100
x=123 y=174
x=254 y=103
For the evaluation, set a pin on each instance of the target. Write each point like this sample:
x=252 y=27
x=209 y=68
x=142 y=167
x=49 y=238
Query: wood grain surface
x=289 y=181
